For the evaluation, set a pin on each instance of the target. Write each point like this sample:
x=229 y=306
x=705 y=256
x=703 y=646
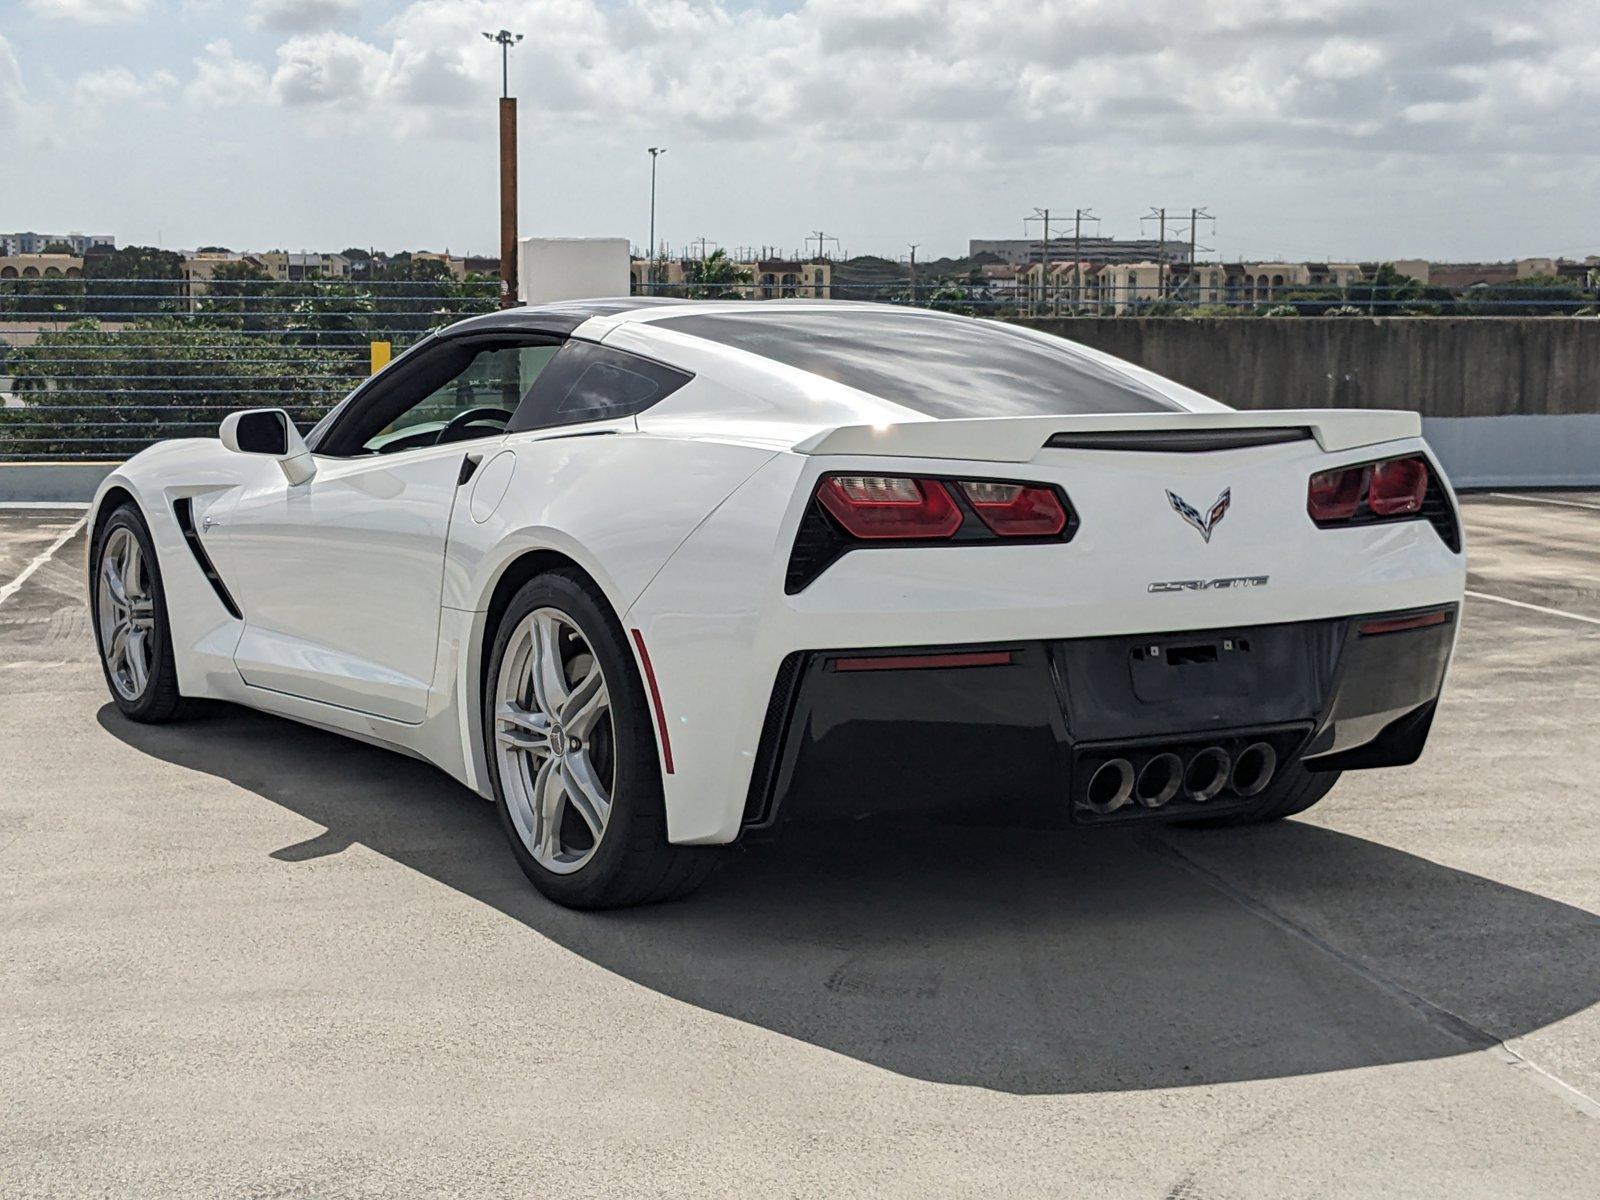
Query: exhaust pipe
x=1111 y=786
x=1207 y=774
x=1159 y=780
x=1254 y=768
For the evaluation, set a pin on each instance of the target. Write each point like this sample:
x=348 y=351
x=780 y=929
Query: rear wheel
x=130 y=620
x=572 y=754
x=1294 y=790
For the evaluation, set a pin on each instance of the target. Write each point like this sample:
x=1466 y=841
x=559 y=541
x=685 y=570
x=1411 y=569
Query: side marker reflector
x=1397 y=624
x=924 y=662
x=655 y=701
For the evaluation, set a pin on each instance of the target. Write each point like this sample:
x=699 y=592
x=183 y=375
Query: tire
x=132 y=633
x=1295 y=790
x=568 y=764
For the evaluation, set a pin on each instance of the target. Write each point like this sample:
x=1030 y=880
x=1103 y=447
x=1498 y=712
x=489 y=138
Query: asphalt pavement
x=239 y=957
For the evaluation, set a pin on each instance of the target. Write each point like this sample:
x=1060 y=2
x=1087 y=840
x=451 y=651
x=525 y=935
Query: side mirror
x=269 y=431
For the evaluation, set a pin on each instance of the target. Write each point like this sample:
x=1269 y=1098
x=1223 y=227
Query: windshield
x=941 y=366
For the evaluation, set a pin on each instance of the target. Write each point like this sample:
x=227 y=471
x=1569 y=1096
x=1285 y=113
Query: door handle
x=469 y=465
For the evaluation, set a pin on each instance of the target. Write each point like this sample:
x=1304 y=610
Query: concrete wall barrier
x=70 y=483
x=1505 y=401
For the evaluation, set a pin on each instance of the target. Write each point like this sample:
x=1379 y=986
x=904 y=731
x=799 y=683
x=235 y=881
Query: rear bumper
x=1024 y=726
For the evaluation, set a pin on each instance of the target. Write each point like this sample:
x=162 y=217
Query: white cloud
x=118 y=85
x=978 y=82
x=328 y=68
x=13 y=94
x=301 y=16
x=224 y=80
x=89 y=12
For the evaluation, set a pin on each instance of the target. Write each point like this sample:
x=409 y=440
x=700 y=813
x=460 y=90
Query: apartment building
x=41 y=266
x=768 y=278
x=13 y=245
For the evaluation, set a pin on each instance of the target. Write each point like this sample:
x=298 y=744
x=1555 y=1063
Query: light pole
x=505 y=39
x=655 y=153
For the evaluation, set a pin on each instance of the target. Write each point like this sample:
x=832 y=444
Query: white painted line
x=1539 y=608
x=1545 y=500
x=56 y=505
x=40 y=559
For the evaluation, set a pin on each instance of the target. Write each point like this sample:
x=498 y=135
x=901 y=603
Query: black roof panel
x=561 y=317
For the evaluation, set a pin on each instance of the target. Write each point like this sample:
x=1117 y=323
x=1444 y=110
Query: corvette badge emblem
x=1189 y=513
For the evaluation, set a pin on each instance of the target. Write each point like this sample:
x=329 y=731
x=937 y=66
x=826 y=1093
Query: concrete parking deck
x=245 y=958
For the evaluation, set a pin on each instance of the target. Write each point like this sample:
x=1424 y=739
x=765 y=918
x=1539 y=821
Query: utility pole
x=1042 y=214
x=505 y=39
x=823 y=237
x=655 y=153
x=1196 y=215
x=702 y=242
x=1079 y=216
x=914 y=246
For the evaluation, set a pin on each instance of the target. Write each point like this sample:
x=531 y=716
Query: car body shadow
x=1026 y=961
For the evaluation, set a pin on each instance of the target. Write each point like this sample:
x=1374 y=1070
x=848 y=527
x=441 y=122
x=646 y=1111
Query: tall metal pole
x=505 y=39
x=655 y=153
x=914 y=246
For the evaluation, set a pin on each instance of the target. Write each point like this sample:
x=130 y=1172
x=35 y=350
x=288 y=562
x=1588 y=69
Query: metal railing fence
x=96 y=369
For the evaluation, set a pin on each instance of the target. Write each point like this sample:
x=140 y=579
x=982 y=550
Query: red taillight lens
x=1015 y=510
x=1335 y=495
x=890 y=506
x=1397 y=487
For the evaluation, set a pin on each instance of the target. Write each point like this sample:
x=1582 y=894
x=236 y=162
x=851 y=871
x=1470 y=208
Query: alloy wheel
x=554 y=740
x=127 y=614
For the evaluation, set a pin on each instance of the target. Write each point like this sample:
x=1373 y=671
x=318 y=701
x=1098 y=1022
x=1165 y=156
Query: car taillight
x=1395 y=487
x=1335 y=495
x=1014 y=509
x=890 y=506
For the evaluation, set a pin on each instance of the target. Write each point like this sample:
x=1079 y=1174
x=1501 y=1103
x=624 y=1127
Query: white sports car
x=652 y=575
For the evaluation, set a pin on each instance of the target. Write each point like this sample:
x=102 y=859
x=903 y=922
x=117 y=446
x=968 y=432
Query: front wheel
x=572 y=754
x=129 y=609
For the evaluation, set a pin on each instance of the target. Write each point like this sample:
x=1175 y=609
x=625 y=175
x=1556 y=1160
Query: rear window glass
x=936 y=365
x=590 y=382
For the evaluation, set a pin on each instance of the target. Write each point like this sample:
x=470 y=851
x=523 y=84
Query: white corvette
x=653 y=575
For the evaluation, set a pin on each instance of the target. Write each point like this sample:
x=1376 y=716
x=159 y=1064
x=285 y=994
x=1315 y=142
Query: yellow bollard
x=381 y=353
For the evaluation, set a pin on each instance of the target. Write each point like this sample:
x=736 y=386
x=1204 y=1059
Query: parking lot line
x=1545 y=500
x=39 y=560
x=1539 y=608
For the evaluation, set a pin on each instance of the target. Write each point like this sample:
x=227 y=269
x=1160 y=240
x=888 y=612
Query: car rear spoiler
x=1020 y=439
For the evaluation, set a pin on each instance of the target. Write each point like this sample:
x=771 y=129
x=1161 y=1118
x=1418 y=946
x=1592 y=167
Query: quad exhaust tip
x=1254 y=768
x=1207 y=774
x=1159 y=780
x=1111 y=786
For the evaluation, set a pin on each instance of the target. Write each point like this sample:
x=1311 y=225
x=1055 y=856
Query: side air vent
x=1179 y=441
x=758 y=805
x=183 y=509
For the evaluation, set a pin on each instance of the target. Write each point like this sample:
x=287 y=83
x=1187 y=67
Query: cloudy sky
x=1333 y=128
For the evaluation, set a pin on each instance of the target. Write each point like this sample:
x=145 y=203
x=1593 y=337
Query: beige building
x=288 y=266
x=456 y=266
x=769 y=279
x=41 y=266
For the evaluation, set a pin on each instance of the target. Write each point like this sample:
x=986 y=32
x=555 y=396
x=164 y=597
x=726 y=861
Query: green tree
x=132 y=283
x=59 y=248
x=87 y=392
x=715 y=277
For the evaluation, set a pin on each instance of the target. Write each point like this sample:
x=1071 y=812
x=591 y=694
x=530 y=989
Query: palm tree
x=715 y=277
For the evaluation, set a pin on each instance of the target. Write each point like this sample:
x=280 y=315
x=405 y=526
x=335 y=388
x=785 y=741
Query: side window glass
x=477 y=401
x=589 y=382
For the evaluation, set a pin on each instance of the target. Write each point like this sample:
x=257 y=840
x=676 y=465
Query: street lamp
x=655 y=153
x=505 y=39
